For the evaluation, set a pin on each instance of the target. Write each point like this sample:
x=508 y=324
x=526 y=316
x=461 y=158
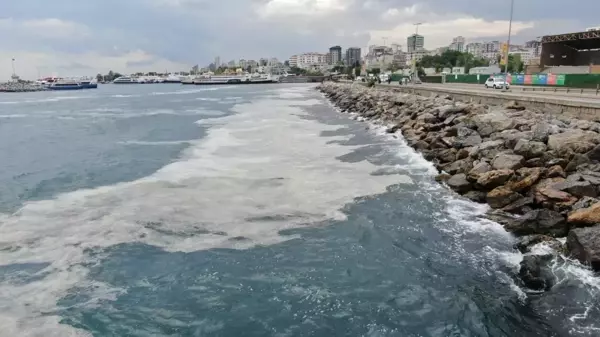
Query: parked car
x=496 y=83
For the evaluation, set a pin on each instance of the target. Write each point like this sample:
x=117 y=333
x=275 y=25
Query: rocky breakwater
x=539 y=173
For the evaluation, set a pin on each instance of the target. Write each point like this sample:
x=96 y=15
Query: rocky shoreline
x=539 y=173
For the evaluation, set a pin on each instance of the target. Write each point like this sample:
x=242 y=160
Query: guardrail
x=557 y=89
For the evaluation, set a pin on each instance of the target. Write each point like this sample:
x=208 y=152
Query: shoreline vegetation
x=538 y=172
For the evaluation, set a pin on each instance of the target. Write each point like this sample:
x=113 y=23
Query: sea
x=261 y=210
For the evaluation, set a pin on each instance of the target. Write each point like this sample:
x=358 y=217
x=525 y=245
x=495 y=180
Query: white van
x=496 y=83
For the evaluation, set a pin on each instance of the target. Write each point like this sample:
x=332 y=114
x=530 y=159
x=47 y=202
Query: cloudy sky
x=84 y=37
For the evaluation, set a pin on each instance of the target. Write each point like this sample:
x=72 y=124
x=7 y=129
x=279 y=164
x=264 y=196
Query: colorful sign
x=551 y=79
x=528 y=80
x=519 y=79
x=542 y=79
x=560 y=80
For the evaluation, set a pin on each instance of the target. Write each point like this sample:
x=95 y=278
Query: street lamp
x=414 y=60
x=512 y=5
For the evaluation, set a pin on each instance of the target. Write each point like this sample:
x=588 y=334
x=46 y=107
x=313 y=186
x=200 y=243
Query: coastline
x=539 y=173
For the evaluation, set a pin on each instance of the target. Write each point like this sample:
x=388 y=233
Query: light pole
x=512 y=5
x=13 y=66
x=414 y=60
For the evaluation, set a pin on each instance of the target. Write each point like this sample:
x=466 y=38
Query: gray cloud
x=187 y=32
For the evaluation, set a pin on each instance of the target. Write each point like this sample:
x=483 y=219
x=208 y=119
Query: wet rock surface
x=540 y=173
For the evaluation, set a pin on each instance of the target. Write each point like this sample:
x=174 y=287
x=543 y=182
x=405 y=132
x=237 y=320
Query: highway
x=588 y=98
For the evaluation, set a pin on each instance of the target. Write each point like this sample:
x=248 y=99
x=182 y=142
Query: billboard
x=503 y=51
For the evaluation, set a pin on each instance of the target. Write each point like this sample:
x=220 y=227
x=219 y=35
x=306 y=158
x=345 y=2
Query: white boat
x=126 y=80
x=172 y=79
x=255 y=78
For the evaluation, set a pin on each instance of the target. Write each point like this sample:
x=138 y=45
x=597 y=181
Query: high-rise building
x=336 y=54
x=475 y=49
x=415 y=42
x=217 y=61
x=353 y=56
x=458 y=44
x=293 y=61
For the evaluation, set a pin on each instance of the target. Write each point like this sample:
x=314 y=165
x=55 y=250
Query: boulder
x=478 y=169
x=482 y=149
x=540 y=132
x=427 y=118
x=468 y=141
x=513 y=105
x=585 y=216
x=501 y=197
x=557 y=161
x=584 y=202
x=573 y=141
x=525 y=178
x=508 y=161
x=554 y=199
x=584 y=245
x=443 y=177
x=530 y=149
x=420 y=145
x=477 y=196
x=534 y=162
x=446 y=155
x=459 y=166
x=492 y=179
x=520 y=206
x=577 y=188
x=539 y=221
x=492 y=122
x=511 y=137
x=462 y=154
x=556 y=171
x=459 y=183
x=576 y=160
x=535 y=272
x=594 y=154
x=525 y=243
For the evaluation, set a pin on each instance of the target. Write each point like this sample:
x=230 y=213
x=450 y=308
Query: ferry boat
x=236 y=79
x=66 y=85
x=172 y=79
x=189 y=79
x=87 y=83
x=126 y=80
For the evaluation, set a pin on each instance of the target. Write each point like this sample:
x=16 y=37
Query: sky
x=86 y=37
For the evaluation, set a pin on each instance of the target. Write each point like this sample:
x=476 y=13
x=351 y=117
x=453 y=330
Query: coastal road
x=588 y=98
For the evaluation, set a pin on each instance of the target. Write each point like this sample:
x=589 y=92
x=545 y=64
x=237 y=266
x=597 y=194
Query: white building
x=458 y=44
x=309 y=61
x=475 y=48
x=527 y=55
x=416 y=56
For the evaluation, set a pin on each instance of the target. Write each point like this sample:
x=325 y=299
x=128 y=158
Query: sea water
x=170 y=210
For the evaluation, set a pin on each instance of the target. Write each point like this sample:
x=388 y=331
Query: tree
x=357 y=71
x=375 y=71
x=99 y=78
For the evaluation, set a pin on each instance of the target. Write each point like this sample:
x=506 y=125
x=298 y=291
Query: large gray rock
x=594 y=154
x=539 y=221
x=508 y=161
x=541 y=131
x=578 y=188
x=478 y=169
x=469 y=141
x=524 y=243
x=459 y=183
x=459 y=166
x=573 y=141
x=482 y=149
x=535 y=272
x=492 y=122
x=584 y=245
x=530 y=149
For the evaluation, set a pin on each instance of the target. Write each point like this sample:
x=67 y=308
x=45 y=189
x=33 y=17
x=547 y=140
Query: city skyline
x=44 y=37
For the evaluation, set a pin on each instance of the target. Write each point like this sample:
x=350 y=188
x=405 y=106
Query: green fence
x=582 y=80
x=456 y=78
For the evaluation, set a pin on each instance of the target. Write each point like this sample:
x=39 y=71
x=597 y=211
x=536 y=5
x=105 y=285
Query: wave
x=258 y=173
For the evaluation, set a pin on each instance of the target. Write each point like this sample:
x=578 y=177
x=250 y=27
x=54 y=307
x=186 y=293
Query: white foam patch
x=262 y=170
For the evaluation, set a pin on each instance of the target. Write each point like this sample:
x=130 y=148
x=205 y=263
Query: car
x=496 y=83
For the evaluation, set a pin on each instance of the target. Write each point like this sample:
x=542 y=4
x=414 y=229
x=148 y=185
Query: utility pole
x=512 y=5
x=13 y=66
x=414 y=60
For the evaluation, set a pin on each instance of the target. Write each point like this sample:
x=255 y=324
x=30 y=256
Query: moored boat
x=126 y=80
x=235 y=79
x=87 y=83
x=66 y=85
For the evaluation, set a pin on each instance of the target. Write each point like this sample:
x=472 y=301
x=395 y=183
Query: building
x=335 y=54
x=438 y=51
x=231 y=64
x=458 y=44
x=416 y=56
x=491 y=47
x=217 y=62
x=571 y=49
x=475 y=48
x=263 y=61
x=293 y=61
x=415 y=42
x=353 y=56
